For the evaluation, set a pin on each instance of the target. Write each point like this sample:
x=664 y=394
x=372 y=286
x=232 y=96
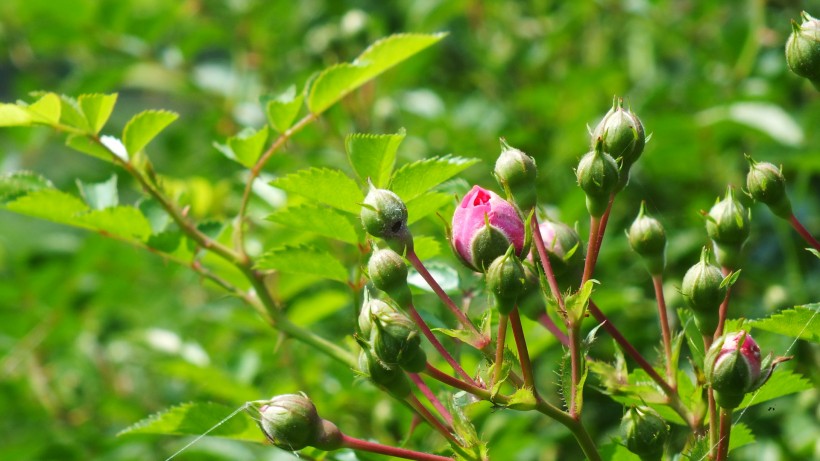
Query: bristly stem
x=725 y=432
x=546 y=321
x=431 y=397
x=499 y=349
x=724 y=305
x=373 y=447
x=657 y=282
x=803 y=232
x=523 y=353
x=425 y=329
x=575 y=363
x=425 y=274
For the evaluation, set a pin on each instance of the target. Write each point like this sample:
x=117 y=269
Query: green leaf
x=373 y=156
x=576 y=303
x=617 y=452
x=426 y=247
x=216 y=381
x=282 y=109
x=782 y=382
x=800 y=322
x=739 y=436
x=100 y=195
x=314 y=307
x=445 y=275
x=50 y=204
x=97 y=109
x=465 y=336
x=814 y=252
x=245 y=147
x=693 y=337
x=426 y=204
x=414 y=179
x=46 y=110
x=523 y=399
x=197 y=419
x=331 y=187
x=303 y=260
x=19 y=183
x=324 y=221
x=143 y=127
x=125 y=222
x=82 y=143
x=337 y=81
x=71 y=113
x=14 y=115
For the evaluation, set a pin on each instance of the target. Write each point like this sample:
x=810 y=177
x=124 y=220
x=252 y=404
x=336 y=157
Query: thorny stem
x=592 y=248
x=414 y=314
x=657 y=282
x=462 y=317
x=575 y=361
x=373 y=447
x=545 y=263
x=724 y=306
x=430 y=418
x=803 y=232
x=523 y=353
x=499 y=349
x=431 y=397
x=546 y=321
x=725 y=432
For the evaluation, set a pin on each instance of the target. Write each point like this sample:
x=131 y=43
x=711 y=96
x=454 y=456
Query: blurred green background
x=96 y=335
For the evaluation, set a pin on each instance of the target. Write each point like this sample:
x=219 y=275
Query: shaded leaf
x=335 y=82
x=144 y=127
x=331 y=187
x=196 y=419
x=414 y=179
x=282 y=109
x=799 y=322
x=741 y=435
x=373 y=156
x=100 y=195
x=326 y=222
x=693 y=337
x=18 y=183
x=303 y=260
x=782 y=382
x=97 y=109
x=314 y=307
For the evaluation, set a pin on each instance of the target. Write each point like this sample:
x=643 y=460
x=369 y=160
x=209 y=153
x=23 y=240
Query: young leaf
x=523 y=399
x=100 y=195
x=337 y=81
x=46 y=110
x=324 y=221
x=282 y=109
x=414 y=179
x=143 y=127
x=71 y=114
x=331 y=187
x=800 y=322
x=19 y=183
x=426 y=204
x=196 y=419
x=303 y=260
x=50 y=204
x=84 y=144
x=782 y=382
x=125 y=222
x=14 y=115
x=739 y=436
x=97 y=109
x=373 y=156
x=245 y=147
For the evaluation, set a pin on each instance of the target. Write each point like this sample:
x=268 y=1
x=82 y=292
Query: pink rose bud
x=484 y=226
x=733 y=368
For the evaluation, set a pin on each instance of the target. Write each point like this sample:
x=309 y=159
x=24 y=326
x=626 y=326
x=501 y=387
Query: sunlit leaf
x=82 y=143
x=46 y=110
x=246 y=147
x=331 y=187
x=373 y=156
x=324 y=221
x=71 y=113
x=782 y=382
x=282 y=109
x=50 y=204
x=97 y=109
x=739 y=436
x=123 y=221
x=143 y=127
x=14 y=115
x=799 y=322
x=198 y=418
x=427 y=204
x=414 y=179
x=303 y=260
x=20 y=183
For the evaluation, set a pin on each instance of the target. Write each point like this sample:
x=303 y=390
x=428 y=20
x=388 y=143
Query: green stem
x=713 y=410
x=373 y=447
x=724 y=306
x=575 y=362
x=657 y=282
x=725 y=432
x=523 y=353
x=499 y=349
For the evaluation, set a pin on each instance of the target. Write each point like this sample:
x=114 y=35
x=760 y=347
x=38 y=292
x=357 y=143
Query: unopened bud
x=290 y=421
x=396 y=342
x=515 y=172
x=645 y=433
x=647 y=238
x=803 y=49
x=391 y=379
x=506 y=280
x=597 y=175
x=703 y=292
x=623 y=135
x=767 y=184
x=384 y=215
x=389 y=273
x=734 y=367
x=372 y=308
x=728 y=226
x=564 y=250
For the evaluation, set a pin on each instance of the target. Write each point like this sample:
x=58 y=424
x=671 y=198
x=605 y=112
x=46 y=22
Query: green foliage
x=373 y=156
x=196 y=419
x=144 y=127
x=281 y=110
x=303 y=260
x=799 y=322
x=414 y=179
x=246 y=147
x=322 y=185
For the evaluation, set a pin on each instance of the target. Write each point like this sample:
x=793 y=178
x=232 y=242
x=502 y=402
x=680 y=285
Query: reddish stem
x=724 y=306
x=804 y=233
x=373 y=447
x=430 y=396
x=545 y=263
x=657 y=282
x=725 y=432
x=439 y=375
x=523 y=353
x=499 y=348
x=546 y=321
x=414 y=314
x=592 y=248
x=430 y=418
x=602 y=225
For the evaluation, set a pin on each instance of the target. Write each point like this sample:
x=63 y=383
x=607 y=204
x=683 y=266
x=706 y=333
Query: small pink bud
x=484 y=226
x=733 y=368
x=749 y=352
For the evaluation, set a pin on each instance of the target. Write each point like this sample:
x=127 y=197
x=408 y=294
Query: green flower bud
x=702 y=291
x=597 y=175
x=291 y=422
x=389 y=273
x=396 y=342
x=623 y=134
x=565 y=252
x=506 y=280
x=393 y=380
x=645 y=433
x=647 y=238
x=767 y=184
x=530 y=303
x=728 y=226
x=803 y=49
x=372 y=308
x=515 y=172
x=384 y=215
x=734 y=368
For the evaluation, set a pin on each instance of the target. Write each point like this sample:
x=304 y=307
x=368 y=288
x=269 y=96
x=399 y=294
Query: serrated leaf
x=326 y=222
x=82 y=143
x=331 y=187
x=373 y=156
x=303 y=260
x=71 y=113
x=782 y=382
x=125 y=222
x=144 y=127
x=427 y=204
x=799 y=322
x=576 y=303
x=739 y=436
x=198 y=418
x=100 y=195
x=414 y=179
x=462 y=425
x=46 y=110
x=50 y=204
x=245 y=147
x=523 y=399
x=337 y=81
x=19 y=183
x=14 y=115
x=282 y=109
x=97 y=109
